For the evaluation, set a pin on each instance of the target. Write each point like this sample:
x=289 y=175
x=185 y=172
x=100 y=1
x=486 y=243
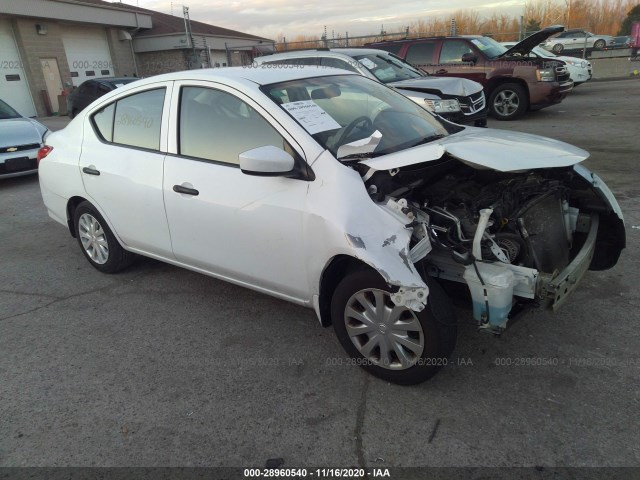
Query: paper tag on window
x=118 y=85
x=367 y=63
x=311 y=116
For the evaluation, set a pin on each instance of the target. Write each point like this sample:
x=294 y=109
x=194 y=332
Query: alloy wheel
x=387 y=335
x=506 y=103
x=93 y=238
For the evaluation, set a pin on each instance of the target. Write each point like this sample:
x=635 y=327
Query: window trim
x=436 y=49
x=99 y=109
x=299 y=159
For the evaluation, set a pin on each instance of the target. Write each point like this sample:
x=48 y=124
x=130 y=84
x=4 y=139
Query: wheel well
x=335 y=271
x=72 y=204
x=501 y=81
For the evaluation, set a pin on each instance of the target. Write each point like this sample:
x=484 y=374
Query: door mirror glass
x=267 y=161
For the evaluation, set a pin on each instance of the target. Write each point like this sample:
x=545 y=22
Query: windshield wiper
x=359 y=156
x=428 y=139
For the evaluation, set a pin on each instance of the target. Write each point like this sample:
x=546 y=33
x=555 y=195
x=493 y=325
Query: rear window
x=133 y=121
x=421 y=53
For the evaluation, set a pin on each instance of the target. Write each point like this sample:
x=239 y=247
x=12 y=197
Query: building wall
x=34 y=47
x=121 y=55
x=155 y=63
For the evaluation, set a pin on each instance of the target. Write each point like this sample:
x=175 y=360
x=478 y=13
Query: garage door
x=87 y=53
x=13 y=82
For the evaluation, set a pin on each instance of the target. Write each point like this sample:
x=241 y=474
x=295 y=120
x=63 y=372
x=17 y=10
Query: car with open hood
x=514 y=80
x=456 y=99
x=335 y=192
x=20 y=140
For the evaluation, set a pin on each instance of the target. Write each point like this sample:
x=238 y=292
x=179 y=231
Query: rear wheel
x=389 y=341
x=97 y=242
x=508 y=101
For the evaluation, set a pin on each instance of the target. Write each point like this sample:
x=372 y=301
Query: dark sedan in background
x=20 y=140
x=90 y=90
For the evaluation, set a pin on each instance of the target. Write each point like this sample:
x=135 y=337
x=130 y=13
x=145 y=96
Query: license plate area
x=19 y=164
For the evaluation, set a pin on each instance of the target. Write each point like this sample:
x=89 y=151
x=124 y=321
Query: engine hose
x=484 y=288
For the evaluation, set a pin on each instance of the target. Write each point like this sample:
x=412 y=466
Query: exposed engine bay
x=529 y=234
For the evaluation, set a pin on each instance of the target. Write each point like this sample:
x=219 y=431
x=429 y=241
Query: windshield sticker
x=368 y=63
x=479 y=44
x=360 y=147
x=118 y=85
x=311 y=116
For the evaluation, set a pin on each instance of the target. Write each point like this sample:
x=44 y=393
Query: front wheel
x=97 y=242
x=508 y=101
x=389 y=341
x=599 y=44
x=558 y=48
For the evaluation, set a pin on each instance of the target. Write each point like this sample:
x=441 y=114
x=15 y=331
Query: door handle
x=441 y=72
x=185 y=190
x=91 y=171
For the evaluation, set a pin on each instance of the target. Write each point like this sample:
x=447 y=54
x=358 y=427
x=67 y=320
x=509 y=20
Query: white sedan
x=335 y=192
x=580 y=70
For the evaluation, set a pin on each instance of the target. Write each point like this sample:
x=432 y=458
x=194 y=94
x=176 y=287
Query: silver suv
x=456 y=99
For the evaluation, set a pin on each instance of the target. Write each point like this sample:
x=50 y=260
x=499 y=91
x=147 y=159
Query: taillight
x=43 y=152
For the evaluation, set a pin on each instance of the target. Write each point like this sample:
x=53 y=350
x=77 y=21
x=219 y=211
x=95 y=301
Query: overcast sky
x=268 y=18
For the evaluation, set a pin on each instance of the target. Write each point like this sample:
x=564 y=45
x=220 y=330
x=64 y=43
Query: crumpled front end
x=516 y=238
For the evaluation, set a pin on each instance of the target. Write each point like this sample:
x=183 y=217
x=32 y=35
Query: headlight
x=442 y=106
x=546 y=75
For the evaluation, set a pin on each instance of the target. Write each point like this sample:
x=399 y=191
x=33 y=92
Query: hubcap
x=387 y=335
x=506 y=102
x=93 y=238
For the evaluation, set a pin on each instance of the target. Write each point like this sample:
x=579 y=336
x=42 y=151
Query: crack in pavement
x=362 y=408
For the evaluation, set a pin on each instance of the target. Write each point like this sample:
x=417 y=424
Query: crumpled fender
x=365 y=231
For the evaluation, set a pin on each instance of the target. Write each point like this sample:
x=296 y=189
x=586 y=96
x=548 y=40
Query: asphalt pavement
x=160 y=366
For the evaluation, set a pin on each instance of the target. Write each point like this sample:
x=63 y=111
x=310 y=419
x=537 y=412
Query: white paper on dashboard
x=368 y=63
x=366 y=145
x=311 y=116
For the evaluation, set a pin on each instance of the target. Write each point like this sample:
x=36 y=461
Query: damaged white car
x=332 y=191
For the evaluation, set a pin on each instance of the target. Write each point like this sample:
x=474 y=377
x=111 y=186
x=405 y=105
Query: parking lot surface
x=160 y=366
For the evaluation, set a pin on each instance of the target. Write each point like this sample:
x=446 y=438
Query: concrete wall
x=34 y=47
x=604 y=68
x=121 y=55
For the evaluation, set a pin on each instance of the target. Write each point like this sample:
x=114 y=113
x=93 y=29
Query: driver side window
x=215 y=125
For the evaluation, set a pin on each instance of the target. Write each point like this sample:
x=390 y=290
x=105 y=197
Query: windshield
x=388 y=68
x=339 y=111
x=489 y=46
x=7 y=112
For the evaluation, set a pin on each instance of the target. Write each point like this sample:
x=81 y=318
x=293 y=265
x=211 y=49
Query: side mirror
x=469 y=58
x=268 y=161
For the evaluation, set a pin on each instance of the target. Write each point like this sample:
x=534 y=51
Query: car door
x=451 y=64
x=122 y=167
x=422 y=55
x=243 y=228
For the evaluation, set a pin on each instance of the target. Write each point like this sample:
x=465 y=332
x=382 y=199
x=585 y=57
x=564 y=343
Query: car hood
x=460 y=87
x=525 y=46
x=20 y=131
x=500 y=150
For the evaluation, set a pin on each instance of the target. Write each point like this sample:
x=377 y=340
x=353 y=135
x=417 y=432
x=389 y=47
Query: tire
x=434 y=329
x=599 y=44
x=97 y=242
x=508 y=101
x=558 y=48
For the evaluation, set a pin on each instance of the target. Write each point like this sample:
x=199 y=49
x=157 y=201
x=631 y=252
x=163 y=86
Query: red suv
x=514 y=82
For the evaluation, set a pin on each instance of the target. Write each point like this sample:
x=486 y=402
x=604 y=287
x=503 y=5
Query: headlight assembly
x=442 y=106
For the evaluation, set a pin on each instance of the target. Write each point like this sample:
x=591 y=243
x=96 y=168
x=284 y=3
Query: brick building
x=47 y=46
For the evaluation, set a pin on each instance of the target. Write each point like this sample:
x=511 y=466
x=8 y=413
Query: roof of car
x=260 y=75
x=318 y=52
